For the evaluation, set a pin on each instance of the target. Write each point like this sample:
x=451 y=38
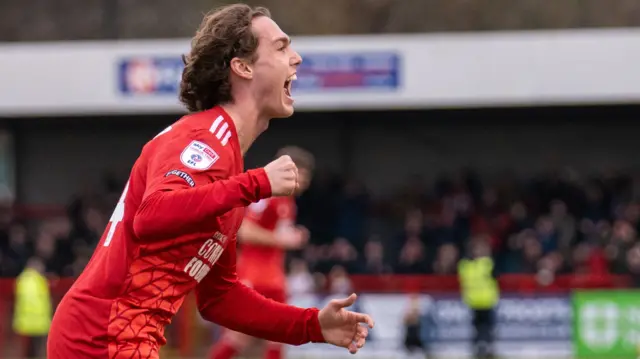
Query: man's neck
x=248 y=123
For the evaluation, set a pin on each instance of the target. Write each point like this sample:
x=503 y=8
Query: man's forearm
x=244 y=310
x=166 y=214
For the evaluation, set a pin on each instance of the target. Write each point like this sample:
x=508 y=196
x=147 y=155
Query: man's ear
x=241 y=68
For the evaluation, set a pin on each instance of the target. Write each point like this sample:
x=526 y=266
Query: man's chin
x=285 y=112
x=289 y=112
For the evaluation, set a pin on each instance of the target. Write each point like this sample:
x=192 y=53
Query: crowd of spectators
x=559 y=222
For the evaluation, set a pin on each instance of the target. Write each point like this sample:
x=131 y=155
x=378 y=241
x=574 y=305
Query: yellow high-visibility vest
x=479 y=288
x=32 y=314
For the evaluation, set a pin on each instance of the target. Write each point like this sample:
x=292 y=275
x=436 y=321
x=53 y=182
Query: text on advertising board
x=349 y=71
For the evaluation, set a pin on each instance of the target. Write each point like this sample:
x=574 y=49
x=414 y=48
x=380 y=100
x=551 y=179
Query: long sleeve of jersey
x=167 y=213
x=227 y=302
x=180 y=199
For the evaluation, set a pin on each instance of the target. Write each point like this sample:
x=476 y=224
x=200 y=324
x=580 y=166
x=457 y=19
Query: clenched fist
x=283 y=176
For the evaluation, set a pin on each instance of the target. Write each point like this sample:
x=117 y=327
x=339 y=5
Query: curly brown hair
x=224 y=33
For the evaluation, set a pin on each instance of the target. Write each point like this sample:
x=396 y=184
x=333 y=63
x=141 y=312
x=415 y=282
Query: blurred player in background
x=413 y=328
x=269 y=229
x=174 y=228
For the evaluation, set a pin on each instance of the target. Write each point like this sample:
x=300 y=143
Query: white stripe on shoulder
x=226 y=138
x=220 y=128
x=215 y=124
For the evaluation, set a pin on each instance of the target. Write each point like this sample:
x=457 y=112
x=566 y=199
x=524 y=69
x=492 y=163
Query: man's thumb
x=343 y=303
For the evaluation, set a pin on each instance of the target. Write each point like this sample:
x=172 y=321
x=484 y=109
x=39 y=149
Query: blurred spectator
x=315 y=254
x=299 y=280
x=80 y=258
x=450 y=229
x=520 y=219
x=374 y=261
x=595 y=207
x=352 y=210
x=491 y=219
x=622 y=239
x=631 y=214
x=6 y=205
x=339 y=281
x=17 y=251
x=548 y=267
x=633 y=264
x=531 y=252
x=344 y=254
x=60 y=230
x=480 y=292
x=546 y=234
x=564 y=223
x=6 y=214
x=45 y=249
x=413 y=327
x=320 y=282
x=412 y=258
x=589 y=259
x=413 y=228
x=89 y=227
x=33 y=309
x=446 y=260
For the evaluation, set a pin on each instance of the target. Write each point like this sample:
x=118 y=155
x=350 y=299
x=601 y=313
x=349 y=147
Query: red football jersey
x=173 y=231
x=263 y=266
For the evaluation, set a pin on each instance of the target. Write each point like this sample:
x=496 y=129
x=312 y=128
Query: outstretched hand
x=343 y=328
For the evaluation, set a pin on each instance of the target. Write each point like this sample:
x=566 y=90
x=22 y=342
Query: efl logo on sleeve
x=198 y=156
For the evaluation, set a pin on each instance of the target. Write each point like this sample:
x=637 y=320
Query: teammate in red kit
x=267 y=231
x=174 y=228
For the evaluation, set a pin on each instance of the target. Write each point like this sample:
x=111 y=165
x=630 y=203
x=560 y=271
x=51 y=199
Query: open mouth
x=287 y=84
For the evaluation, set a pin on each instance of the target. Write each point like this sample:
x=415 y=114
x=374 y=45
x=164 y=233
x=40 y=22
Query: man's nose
x=297 y=59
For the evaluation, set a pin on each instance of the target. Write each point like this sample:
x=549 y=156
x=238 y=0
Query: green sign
x=607 y=324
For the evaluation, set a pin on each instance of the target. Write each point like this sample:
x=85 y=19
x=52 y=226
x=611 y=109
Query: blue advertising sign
x=150 y=75
x=319 y=72
x=348 y=71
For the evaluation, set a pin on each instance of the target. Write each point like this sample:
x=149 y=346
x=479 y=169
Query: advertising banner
x=525 y=326
x=365 y=72
x=348 y=71
x=320 y=72
x=607 y=324
x=150 y=75
x=385 y=340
